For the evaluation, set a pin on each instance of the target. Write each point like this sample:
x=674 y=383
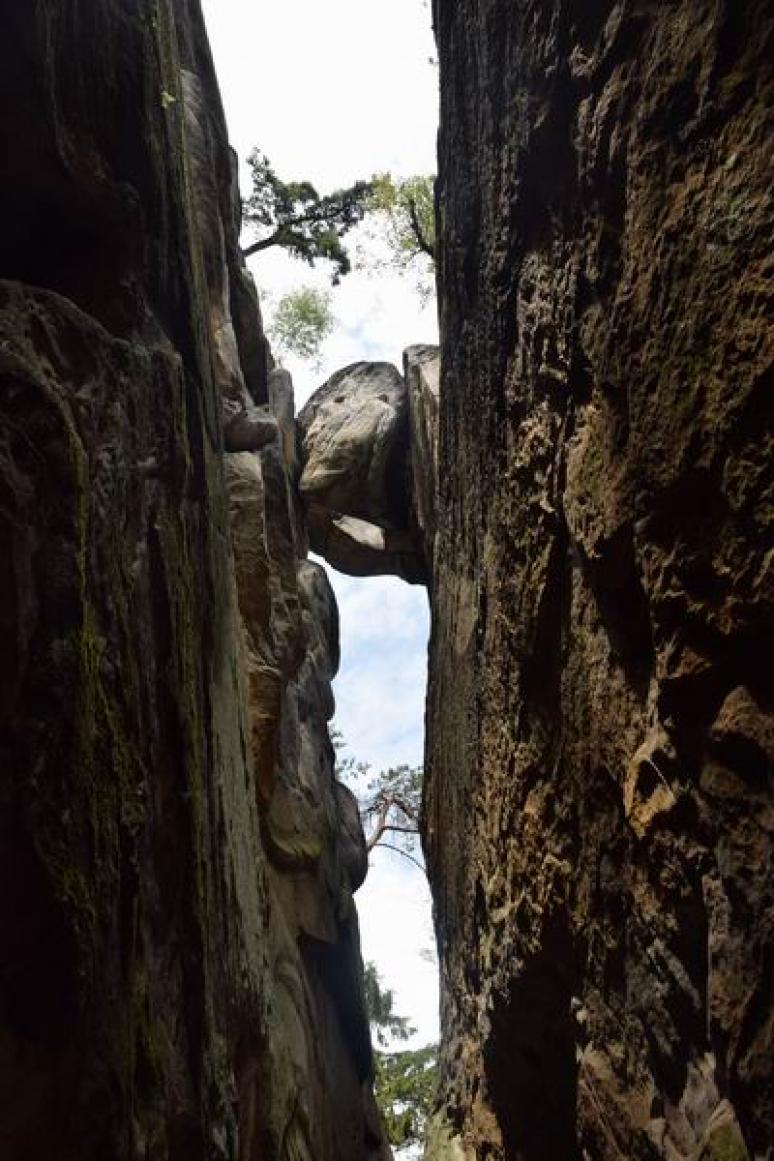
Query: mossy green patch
x=725 y=1144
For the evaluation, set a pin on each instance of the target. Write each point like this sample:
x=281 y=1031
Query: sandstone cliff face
x=179 y=956
x=599 y=816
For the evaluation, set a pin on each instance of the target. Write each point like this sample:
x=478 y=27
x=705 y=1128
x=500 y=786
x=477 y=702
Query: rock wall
x=180 y=974
x=599 y=766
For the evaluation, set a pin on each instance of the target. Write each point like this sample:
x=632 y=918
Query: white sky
x=332 y=93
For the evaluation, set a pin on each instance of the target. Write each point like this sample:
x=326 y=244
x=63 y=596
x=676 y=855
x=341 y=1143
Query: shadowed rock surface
x=180 y=974
x=589 y=496
x=598 y=822
x=421 y=371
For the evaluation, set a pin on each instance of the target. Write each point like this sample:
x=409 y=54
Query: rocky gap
x=585 y=492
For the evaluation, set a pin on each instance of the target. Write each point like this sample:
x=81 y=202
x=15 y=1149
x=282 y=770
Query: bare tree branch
x=406 y=855
x=379 y=828
x=382 y=824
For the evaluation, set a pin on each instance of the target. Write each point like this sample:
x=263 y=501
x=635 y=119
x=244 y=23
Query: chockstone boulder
x=367 y=456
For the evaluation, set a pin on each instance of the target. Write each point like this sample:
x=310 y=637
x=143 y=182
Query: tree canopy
x=405 y=1087
x=301 y=322
x=390 y=807
x=398 y=233
x=408 y=207
x=379 y=1005
x=400 y=219
x=405 y=1080
x=294 y=216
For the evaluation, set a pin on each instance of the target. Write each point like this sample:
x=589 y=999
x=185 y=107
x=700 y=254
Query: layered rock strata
x=180 y=974
x=598 y=823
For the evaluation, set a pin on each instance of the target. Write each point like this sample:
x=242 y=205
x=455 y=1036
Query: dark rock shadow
x=530 y=1057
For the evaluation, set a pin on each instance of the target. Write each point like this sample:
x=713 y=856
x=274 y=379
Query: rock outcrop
x=180 y=973
x=599 y=822
x=367 y=453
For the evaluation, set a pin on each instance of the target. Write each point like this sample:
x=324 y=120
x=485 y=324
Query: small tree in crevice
x=390 y=802
x=400 y=214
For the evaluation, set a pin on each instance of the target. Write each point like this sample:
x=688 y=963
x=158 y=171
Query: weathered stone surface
x=310 y=826
x=599 y=816
x=368 y=443
x=281 y=399
x=421 y=372
x=355 y=481
x=354 y=446
x=180 y=975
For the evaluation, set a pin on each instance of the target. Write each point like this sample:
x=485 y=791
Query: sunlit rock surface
x=598 y=822
x=180 y=974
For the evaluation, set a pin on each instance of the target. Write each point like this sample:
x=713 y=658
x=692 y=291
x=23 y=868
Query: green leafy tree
x=294 y=216
x=302 y=321
x=399 y=217
x=404 y=1081
x=401 y=214
x=405 y=1086
x=408 y=205
x=379 y=1005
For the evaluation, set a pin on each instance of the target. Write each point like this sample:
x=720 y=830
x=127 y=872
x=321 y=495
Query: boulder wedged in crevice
x=367 y=447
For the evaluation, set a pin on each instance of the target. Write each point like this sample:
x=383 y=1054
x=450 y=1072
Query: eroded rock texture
x=367 y=448
x=599 y=815
x=179 y=956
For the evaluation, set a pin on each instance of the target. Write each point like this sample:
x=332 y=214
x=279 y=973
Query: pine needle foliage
x=294 y=216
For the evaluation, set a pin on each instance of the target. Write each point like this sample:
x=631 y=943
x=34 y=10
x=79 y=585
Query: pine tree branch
x=383 y=804
x=262 y=244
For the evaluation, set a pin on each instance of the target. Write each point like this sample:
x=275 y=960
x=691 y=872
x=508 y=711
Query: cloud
x=395 y=927
x=380 y=690
x=331 y=92
x=403 y=611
